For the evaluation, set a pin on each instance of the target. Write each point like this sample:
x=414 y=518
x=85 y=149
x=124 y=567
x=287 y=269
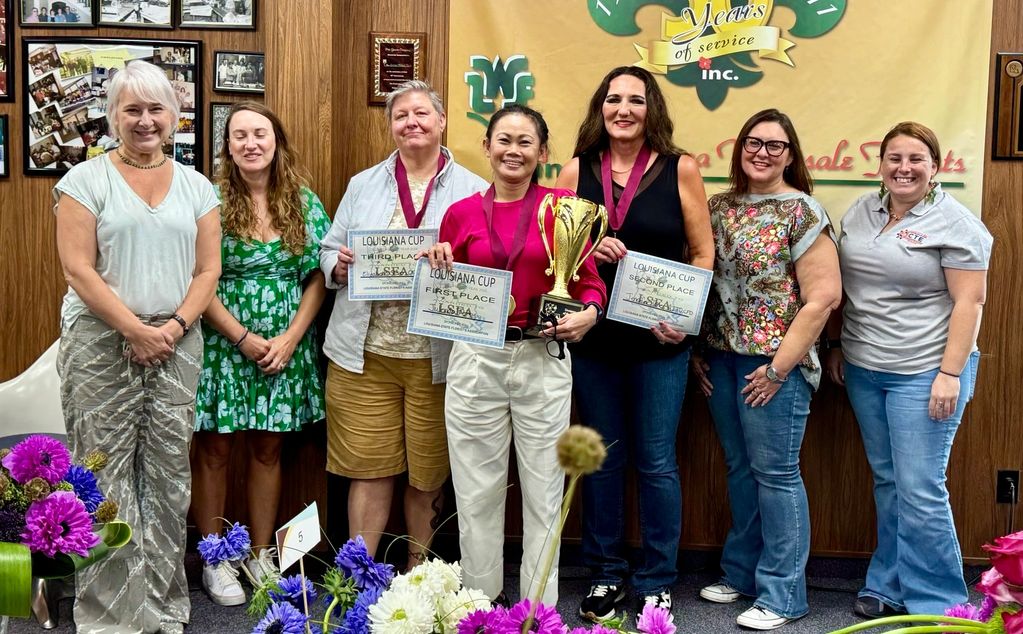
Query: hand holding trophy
x=573 y=221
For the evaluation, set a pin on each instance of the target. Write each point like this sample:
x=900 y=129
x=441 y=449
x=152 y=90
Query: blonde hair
x=284 y=192
x=147 y=82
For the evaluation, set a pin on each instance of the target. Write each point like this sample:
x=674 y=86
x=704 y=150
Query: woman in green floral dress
x=260 y=370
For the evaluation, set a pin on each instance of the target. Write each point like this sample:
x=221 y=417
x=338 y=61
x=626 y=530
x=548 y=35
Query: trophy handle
x=601 y=232
x=546 y=203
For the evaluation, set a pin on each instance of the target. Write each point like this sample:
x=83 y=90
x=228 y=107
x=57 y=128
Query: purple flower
x=987 y=608
x=603 y=629
x=357 y=617
x=964 y=611
x=290 y=589
x=482 y=621
x=12 y=523
x=86 y=488
x=655 y=620
x=281 y=618
x=38 y=457
x=545 y=621
x=236 y=542
x=59 y=523
x=353 y=559
x=213 y=549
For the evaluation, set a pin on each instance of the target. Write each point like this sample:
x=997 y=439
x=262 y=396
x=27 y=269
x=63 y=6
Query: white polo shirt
x=897 y=302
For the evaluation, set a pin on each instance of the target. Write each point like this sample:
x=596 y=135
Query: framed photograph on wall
x=65 y=81
x=57 y=14
x=394 y=58
x=5 y=149
x=137 y=14
x=238 y=71
x=217 y=14
x=218 y=119
x=6 y=50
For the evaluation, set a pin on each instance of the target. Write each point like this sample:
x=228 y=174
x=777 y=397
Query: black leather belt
x=514 y=333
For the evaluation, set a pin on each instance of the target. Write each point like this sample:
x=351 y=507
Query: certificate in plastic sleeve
x=649 y=289
x=385 y=262
x=468 y=303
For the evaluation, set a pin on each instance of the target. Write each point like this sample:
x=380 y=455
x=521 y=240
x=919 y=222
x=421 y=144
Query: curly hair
x=659 y=128
x=284 y=191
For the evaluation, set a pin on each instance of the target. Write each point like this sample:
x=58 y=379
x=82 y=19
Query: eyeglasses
x=774 y=148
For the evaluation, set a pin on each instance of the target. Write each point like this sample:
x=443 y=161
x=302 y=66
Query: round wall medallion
x=1014 y=68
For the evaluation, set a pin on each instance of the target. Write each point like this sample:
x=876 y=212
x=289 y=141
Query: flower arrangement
x=1000 y=612
x=48 y=509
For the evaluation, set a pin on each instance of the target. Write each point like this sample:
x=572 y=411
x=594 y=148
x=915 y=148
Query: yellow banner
x=766 y=40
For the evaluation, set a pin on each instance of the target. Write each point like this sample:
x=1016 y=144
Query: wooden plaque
x=394 y=59
x=1008 y=114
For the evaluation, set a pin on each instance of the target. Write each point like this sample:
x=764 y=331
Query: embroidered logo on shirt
x=910 y=236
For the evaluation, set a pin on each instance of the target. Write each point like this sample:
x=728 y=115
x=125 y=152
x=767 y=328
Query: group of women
x=140 y=243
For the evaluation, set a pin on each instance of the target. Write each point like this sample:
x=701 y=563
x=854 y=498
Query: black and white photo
x=143 y=14
x=5 y=169
x=57 y=14
x=236 y=71
x=217 y=14
x=6 y=51
x=218 y=119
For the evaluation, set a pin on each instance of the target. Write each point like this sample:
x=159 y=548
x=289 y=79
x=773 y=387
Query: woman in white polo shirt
x=914 y=269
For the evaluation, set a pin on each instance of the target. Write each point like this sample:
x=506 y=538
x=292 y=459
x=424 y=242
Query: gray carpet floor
x=832 y=587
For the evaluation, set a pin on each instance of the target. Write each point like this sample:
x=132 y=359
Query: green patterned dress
x=261 y=286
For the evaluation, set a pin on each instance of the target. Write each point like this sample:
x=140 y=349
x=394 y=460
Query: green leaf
x=618 y=17
x=113 y=535
x=814 y=20
x=16 y=572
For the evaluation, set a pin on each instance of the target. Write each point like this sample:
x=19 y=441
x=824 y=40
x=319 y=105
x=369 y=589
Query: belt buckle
x=513 y=330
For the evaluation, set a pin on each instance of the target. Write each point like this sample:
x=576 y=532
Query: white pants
x=492 y=396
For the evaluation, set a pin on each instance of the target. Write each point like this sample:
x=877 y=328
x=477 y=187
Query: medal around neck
x=574 y=219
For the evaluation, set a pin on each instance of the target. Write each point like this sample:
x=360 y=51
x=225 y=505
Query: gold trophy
x=573 y=221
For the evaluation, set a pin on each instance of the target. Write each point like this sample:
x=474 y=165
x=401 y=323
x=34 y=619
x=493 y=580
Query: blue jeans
x=769 y=542
x=917 y=564
x=634 y=406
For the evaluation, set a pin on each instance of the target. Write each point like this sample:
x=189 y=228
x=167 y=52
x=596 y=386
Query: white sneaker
x=262 y=566
x=221 y=583
x=758 y=618
x=720 y=593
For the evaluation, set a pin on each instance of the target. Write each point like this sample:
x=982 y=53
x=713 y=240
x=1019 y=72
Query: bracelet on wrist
x=954 y=376
x=181 y=322
x=600 y=311
x=242 y=338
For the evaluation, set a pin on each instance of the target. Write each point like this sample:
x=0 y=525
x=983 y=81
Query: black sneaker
x=501 y=600
x=600 y=603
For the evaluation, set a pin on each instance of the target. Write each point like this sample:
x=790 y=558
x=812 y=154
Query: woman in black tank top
x=629 y=382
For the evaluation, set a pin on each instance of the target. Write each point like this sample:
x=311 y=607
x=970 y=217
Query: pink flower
x=993 y=585
x=38 y=457
x=59 y=523
x=1007 y=557
x=1013 y=622
x=704 y=63
x=655 y=620
x=481 y=621
x=545 y=621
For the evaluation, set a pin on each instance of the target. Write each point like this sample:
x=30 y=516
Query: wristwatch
x=772 y=375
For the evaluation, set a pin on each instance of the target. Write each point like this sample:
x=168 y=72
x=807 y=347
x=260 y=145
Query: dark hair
x=795 y=173
x=542 y=132
x=658 y=129
x=918 y=131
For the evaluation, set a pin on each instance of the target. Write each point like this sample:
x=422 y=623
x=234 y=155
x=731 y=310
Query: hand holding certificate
x=649 y=290
x=464 y=303
x=384 y=262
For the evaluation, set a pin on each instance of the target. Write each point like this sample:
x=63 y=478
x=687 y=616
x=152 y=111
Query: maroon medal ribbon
x=412 y=217
x=616 y=213
x=503 y=259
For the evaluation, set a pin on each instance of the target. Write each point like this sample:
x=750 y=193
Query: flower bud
x=37 y=489
x=95 y=460
x=106 y=511
x=581 y=450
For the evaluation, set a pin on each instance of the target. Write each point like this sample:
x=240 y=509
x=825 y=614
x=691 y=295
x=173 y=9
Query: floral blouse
x=755 y=294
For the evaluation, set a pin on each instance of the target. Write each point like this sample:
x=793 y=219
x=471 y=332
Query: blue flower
x=281 y=618
x=237 y=542
x=357 y=617
x=84 y=483
x=213 y=549
x=353 y=559
x=290 y=589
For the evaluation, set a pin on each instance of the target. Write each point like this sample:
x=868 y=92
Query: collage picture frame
x=64 y=108
x=6 y=50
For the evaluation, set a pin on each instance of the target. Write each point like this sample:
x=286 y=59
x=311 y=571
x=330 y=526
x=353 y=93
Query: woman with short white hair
x=139 y=242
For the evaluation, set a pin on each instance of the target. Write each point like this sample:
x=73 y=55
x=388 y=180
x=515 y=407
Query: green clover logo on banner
x=489 y=79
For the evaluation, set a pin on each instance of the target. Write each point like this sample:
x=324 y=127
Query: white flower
x=433 y=579
x=453 y=607
x=401 y=611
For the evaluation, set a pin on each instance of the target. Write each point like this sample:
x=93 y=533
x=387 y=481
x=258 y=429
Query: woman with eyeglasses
x=520 y=392
x=776 y=280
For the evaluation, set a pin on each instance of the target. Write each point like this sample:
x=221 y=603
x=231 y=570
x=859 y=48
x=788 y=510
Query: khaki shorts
x=387 y=420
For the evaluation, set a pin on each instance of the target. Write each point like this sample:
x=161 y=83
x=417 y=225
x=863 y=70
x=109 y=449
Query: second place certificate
x=649 y=289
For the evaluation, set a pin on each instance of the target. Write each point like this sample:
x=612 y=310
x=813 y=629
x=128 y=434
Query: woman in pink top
x=522 y=391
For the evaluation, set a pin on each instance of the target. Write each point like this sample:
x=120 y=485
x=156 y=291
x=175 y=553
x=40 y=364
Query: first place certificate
x=468 y=303
x=385 y=262
x=649 y=290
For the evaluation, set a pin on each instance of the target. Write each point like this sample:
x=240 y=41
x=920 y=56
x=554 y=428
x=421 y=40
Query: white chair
x=30 y=404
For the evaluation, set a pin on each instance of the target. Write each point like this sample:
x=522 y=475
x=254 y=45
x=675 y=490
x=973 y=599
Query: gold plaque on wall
x=394 y=59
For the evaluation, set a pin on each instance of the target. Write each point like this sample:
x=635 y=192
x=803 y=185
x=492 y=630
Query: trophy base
x=552 y=307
